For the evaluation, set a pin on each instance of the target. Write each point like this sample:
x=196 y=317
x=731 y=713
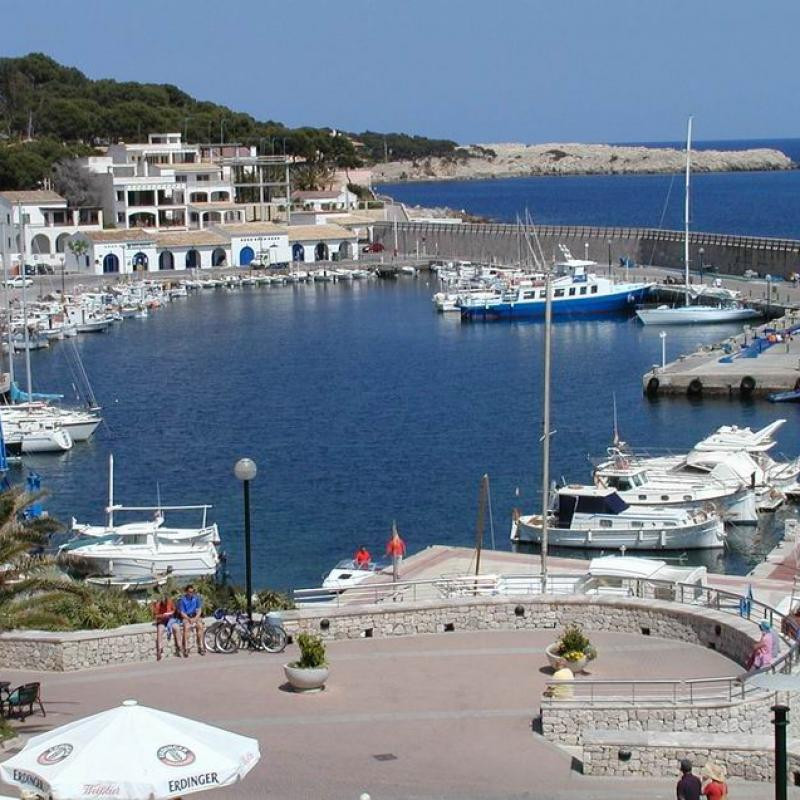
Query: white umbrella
x=131 y=753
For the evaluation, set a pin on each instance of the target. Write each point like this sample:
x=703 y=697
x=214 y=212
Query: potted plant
x=573 y=649
x=311 y=671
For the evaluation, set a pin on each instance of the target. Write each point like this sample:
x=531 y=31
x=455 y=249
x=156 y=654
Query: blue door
x=298 y=252
x=110 y=263
x=246 y=255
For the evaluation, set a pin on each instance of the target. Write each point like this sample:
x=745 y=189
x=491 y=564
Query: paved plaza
x=438 y=716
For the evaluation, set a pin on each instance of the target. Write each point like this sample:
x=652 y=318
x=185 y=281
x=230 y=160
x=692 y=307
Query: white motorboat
x=33 y=436
x=408 y=270
x=142 y=549
x=347 y=574
x=727 y=310
x=598 y=518
x=640 y=485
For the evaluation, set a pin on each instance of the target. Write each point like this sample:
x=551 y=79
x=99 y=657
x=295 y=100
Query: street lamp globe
x=245 y=469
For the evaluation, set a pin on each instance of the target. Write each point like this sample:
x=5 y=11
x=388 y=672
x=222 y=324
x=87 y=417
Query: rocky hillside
x=513 y=160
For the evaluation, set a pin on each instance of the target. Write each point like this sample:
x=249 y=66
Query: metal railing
x=590 y=691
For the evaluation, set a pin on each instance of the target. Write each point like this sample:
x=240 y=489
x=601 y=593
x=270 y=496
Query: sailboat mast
x=548 y=324
x=686 y=209
x=4 y=231
x=110 y=490
x=25 y=304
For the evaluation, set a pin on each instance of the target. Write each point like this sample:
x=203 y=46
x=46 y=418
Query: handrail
x=521 y=585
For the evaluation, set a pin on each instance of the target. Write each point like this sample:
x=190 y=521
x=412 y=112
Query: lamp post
x=701 y=251
x=781 y=723
x=609 y=257
x=586 y=251
x=245 y=470
x=663 y=337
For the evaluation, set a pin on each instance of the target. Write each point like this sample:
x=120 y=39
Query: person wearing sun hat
x=715 y=787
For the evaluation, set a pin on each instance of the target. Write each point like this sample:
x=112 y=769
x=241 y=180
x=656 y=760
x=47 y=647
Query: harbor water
x=361 y=406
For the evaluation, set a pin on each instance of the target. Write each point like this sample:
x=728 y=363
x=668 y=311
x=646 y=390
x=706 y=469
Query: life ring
x=654 y=383
x=695 y=388
x=747 y=385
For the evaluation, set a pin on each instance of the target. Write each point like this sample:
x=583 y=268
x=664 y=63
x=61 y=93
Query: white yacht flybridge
x=142 y=549
x=727 y=310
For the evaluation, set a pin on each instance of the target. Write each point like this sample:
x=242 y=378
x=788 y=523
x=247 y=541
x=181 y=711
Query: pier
x=759 y=361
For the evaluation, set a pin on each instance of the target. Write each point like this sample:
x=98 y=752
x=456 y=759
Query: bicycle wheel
x=228 y=639
x=273 y=638
x=210 y=636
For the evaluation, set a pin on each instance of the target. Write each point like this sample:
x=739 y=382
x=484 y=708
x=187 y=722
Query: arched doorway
x=140 y=262
x=198 y=197
x=298 y=252
x=61 y=242
x=345 y=250
x=246 y=255
x=40 y=244
x=321 y=252
x=166 y=260
x=192 y=259
x=218 y=257
x=110 y=263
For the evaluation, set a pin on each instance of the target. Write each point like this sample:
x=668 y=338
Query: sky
x=469 y=70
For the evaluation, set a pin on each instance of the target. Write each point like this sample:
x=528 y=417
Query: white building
x=167 y=184
x=325 y=200
x=48 y=224
x=322 y=243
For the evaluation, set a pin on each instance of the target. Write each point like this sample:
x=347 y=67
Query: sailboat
x=689 y=313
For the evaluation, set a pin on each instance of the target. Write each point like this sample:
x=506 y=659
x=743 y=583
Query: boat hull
x=613 y=302
x=702 y=536
x=693 y=315
x=124 y=566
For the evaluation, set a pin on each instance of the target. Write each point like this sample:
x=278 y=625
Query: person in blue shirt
x=190 y=611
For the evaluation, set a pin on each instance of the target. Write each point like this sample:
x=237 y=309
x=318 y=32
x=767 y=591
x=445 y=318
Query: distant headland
x=516 y=160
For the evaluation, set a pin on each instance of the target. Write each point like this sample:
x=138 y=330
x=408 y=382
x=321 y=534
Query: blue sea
x=362 y=406
x=751 y=203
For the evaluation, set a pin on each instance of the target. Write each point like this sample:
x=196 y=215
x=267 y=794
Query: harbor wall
x=502 y=243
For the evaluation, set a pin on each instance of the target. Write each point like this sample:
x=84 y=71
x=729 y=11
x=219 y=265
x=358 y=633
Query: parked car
x=374 y=247
x=750 y=273
x=18 y=282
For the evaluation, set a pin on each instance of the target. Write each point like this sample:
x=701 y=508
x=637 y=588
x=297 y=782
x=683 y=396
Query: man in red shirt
x=396 y=548
x=362 y=557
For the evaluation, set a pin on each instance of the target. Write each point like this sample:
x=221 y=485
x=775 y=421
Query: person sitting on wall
x=166 y=620
x=190 y=611
x=765 y=650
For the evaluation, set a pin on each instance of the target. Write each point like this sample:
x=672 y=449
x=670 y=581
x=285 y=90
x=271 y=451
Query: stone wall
x=502 y=243
x=612 y=753
x=135 y=643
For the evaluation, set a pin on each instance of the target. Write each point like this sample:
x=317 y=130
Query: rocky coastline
x=520 y=160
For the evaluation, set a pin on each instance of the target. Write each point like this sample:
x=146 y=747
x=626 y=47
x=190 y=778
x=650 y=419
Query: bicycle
x=273 y=634
x=230 y=633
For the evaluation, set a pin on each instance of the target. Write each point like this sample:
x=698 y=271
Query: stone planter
x=306 y=680
x=558 y=662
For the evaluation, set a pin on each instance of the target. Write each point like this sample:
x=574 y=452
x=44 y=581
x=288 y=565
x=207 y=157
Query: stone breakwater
x=519 y=160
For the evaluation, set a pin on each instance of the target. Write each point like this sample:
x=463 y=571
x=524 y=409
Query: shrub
x=312 y=652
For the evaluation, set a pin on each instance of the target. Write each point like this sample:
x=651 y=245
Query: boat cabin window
x=643 y=497
x=665 y=497
x=571 y=291
x=637 y=524
x=620 y=482
x=594 y=289
x=558 y=293
x=568 y=505
x=687 y=497
x=583 y=290
x=669 y=524
x=529 y=295
x=542 y=294
x=605 y=523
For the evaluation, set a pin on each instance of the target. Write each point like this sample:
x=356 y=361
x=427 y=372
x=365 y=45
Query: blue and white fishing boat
x=574 y=293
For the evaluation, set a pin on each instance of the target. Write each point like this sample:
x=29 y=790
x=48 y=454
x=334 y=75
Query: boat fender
x=695 y=388
x=652 y=387
x=747 y=385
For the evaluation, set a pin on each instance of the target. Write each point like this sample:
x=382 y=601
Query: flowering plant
x=575 y=645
